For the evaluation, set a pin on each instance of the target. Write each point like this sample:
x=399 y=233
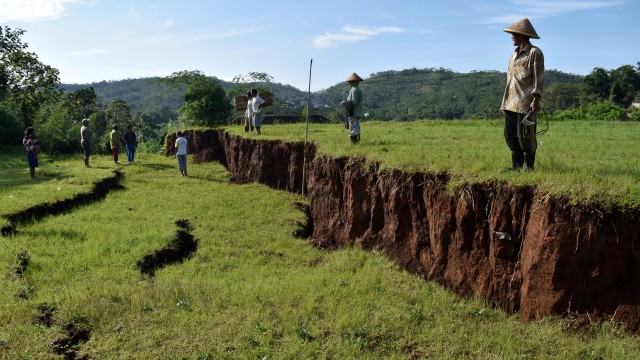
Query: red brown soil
x=520 y=249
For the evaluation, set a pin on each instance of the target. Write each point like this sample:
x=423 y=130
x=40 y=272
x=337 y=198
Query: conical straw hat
x=354 y=77
x=523 y=27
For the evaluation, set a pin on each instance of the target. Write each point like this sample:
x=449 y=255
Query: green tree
x=205 y=104
x=243 y=83
x=205 y=101
x=11 y=122
x=145 y=126
x=597 y=85
x=262 y=82
x=561 y=96
x=118 y=113
x=22 y=76
x=82 y=103
x=625 y=83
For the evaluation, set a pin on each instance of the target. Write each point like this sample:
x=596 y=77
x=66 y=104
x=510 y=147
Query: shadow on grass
x=158 y=167
x=64 y=234
x=15 y=178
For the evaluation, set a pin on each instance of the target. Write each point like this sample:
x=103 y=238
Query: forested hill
x=436 y=93
x=389 y=95
x=147 y=95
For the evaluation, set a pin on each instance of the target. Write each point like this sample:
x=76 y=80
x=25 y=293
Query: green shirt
x=355 y=95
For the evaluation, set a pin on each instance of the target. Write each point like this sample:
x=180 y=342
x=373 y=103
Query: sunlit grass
x=251 y=290
x=57 y=178
x=589 y=162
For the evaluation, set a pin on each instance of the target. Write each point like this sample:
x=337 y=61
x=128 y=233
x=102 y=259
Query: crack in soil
x=21 y=266
x=45 y=314
x=98 y=192
x=75 y=334
x=304 y=230
x=183 y=246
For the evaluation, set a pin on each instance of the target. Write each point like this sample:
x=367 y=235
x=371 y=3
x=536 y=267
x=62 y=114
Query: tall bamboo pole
x=306 y=132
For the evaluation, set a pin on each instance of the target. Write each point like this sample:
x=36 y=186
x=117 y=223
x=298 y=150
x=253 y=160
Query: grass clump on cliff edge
x=251 y=290
x=589 y=162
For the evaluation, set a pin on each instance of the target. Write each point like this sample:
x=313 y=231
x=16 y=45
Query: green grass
x=251 y=290
x=588 y=162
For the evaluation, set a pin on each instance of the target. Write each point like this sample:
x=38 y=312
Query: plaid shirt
x=524 y=78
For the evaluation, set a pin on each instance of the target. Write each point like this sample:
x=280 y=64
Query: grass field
x=252 y=290
x=589 y=162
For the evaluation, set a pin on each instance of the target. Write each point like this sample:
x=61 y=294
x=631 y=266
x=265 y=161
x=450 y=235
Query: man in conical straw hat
x=353 y=105
x=522 y=95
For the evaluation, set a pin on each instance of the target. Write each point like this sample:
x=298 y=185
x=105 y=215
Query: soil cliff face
x=518 y=248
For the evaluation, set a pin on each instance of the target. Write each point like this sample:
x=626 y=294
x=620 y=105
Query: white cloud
x=540 y=9
x=545 y=8
x=88 y=52
x=32 y=10
x=167 y=24
x=350 y=33
x=226 y=34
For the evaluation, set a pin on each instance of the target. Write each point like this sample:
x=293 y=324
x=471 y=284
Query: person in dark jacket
x=131 y=142
x=30 y=143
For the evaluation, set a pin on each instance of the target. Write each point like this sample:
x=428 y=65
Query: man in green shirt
x=353 y=105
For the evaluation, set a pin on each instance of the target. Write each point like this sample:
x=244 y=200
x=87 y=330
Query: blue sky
x=94 y=40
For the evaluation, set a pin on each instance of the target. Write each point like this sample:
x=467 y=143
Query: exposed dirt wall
x=518 y=248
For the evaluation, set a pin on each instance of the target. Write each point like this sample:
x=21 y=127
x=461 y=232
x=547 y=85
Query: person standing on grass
x=256 y=108
x=522 y=94
x=181 y=153
x=85 y=141
x=30 y=143
x=115 y=140
x=353 y=106
x=248 y=114
x=131 y=142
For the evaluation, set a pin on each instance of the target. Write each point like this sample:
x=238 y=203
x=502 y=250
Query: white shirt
x=249 y=111
x=256 y=102
x=181 y=143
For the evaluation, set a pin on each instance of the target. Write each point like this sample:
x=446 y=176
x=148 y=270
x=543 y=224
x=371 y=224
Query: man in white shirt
x=256 y=104
x=248 y=114
x=181 y=153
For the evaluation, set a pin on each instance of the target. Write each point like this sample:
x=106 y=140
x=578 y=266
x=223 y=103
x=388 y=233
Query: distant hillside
x=147 y=95
x=404 y=95
x=435 y=93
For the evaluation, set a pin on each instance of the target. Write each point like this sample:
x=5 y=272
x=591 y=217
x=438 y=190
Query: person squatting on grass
x=248 y=114
x=131 y=142
x=85 y=141
x=522 y=95
x=115 y=139
x=181 y=153
x=256 y=108
x=30 y=143
x=353 y=106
